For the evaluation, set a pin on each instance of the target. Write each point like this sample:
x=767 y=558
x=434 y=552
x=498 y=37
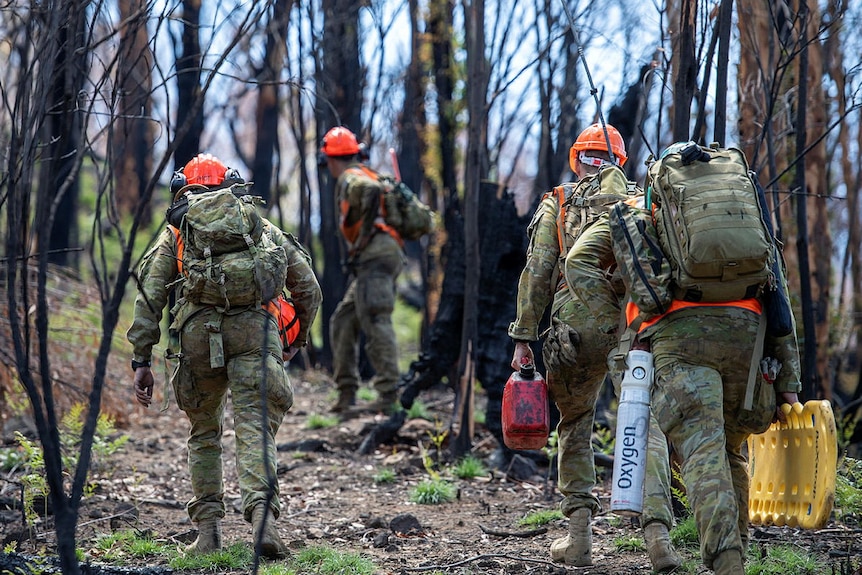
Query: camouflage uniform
x=702 y=356
x=376 y=259
x=221 y=352
x=575 y=389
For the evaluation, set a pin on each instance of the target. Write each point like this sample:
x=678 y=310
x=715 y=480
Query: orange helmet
x=205 y=169
x=339 y=141
x=593 y=138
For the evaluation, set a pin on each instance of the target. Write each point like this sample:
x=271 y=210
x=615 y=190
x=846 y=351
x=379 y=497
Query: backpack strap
x=754 y=368
x=560 y=192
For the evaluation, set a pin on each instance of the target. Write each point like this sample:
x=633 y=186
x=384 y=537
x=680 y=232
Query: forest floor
x=333 y=497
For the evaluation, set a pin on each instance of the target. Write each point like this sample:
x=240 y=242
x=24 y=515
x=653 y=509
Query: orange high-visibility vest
x=351 y=233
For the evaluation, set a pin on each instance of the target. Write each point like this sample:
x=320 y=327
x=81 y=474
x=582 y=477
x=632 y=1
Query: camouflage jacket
x=159 y=270
x=541 y=275
x=550 y=232
x=587 y=279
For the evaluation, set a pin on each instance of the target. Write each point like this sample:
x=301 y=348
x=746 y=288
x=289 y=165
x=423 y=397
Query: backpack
x=645 y=270
x=710 y=224
x=228 y=256
x=581 y=203
x=401 y=208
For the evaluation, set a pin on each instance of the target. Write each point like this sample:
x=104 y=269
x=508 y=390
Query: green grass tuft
x=629 y=543
x=433 y=492
x=469 y=467
x=317 y=421
x=540 y=517
x=325 y=561
x=385 y=475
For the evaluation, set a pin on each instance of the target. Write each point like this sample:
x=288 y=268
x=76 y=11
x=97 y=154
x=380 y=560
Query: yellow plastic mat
x=792 y=468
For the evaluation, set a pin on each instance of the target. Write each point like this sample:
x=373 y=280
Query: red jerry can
x=526 y=414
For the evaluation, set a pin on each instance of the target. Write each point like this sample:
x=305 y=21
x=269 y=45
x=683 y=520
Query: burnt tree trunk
x=502 y=245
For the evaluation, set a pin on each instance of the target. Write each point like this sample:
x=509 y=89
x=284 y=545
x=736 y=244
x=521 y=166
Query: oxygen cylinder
x=632 y=434
x=526 y=416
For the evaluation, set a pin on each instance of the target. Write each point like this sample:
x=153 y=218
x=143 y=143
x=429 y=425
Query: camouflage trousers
x=702 y=361
x=251 y=351
x=575 y=391
x=367 y=308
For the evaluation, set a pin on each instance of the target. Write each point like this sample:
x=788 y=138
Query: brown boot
x=209 y=537
x=346 y=400
x=575 y=548
x=728 y=562
x=662 y=555
x=264 y=530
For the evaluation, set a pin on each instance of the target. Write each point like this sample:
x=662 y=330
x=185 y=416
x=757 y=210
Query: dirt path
x=332 y=499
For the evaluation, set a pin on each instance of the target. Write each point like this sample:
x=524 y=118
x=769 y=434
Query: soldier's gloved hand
x=144 y=384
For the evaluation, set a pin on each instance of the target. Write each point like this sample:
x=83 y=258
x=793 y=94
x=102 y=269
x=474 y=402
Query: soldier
x=702 y=355
x=375 y=259
x=576 y=349
x=220 y=351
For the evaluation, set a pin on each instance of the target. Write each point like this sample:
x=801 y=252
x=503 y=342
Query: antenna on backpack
x=593 y=89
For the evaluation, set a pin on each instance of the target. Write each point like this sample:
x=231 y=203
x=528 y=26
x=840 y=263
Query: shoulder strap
x=180 y=246
x=560 y=193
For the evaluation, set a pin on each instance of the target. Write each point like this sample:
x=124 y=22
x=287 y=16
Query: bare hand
x=522 y=349
x=287 y=354
x=144 y=384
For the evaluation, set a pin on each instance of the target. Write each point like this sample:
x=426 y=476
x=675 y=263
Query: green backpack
x=582 y=202
x=229 y=257
x=400 y=207
x=404 y=211
x=710 y=224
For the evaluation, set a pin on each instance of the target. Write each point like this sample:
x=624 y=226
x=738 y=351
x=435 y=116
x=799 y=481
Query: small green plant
x=433 y=491
x=105 y=443
x=325 y=561
x=276 y=569
x=540 y=517
x=479 y=417
x=317 y=421
x=385 y=475
x=236 y=556
x=846 y=427
x=552 y=448
x=32 y=460
x=629 y=543
x=146 y=547
x=119 y=545
x=469 y=467
x=685 y=533
x=419 y=411
x=603 y=440
x=438 y=438
x=782 y=559
x=680 y=494
x=366 y=394
x=848 y=489
x=33 y=480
